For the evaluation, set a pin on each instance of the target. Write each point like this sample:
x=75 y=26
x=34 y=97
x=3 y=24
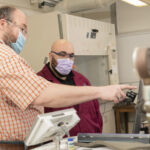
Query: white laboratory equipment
x=52 y=126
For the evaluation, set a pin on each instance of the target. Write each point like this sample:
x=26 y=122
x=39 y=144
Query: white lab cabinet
x=94 y=43
x=86 y=42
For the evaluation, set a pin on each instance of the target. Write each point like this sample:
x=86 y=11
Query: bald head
x=62 y=45
x=61 y=49
x=62 y=54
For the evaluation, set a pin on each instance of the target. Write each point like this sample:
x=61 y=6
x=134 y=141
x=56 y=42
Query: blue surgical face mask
x=18 y=45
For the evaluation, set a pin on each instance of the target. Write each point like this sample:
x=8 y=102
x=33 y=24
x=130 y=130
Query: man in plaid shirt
x=22 y=93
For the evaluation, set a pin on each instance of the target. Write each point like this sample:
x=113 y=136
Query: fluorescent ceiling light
x=138 y=3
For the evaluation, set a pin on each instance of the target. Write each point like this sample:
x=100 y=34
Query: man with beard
x=59 y=70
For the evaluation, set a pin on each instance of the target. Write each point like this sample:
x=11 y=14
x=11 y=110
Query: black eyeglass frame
x=63 y=54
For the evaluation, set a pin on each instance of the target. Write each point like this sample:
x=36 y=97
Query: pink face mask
x=64 y=66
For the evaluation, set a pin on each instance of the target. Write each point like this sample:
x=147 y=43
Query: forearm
x=57 y=95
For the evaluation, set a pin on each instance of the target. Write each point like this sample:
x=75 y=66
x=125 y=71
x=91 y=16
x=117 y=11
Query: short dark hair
x=6 y=12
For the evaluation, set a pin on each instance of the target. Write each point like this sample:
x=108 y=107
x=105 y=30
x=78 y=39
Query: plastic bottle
x=71 y=145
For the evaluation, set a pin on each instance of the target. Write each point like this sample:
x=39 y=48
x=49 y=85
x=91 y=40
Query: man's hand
x=115 y=92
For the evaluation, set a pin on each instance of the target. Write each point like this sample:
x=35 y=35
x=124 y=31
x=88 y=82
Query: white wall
x=25 y=5
x=108 y=117
x=133 y=31
x=131 y=18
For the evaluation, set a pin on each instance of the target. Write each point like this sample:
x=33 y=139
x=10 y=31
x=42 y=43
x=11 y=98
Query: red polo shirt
x=89 y=112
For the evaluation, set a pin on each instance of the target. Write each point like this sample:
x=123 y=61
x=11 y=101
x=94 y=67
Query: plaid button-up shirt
x=19 y=87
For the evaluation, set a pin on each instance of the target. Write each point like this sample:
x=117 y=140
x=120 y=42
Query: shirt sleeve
x=19 y=83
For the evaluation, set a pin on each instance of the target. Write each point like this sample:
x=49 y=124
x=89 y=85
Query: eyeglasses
x=23 y=29
x=64 y=54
